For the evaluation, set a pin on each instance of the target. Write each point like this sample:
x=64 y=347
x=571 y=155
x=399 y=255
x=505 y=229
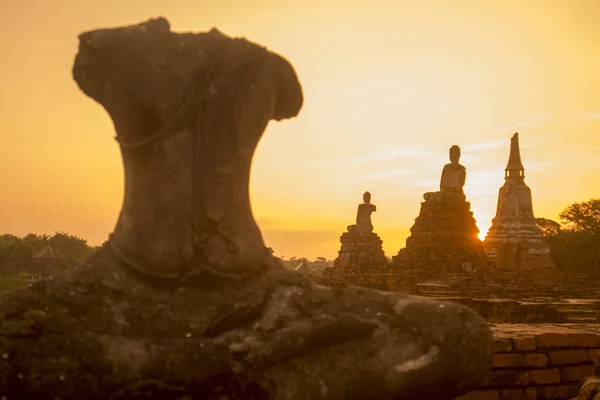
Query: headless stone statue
x=363 y=214
x=453 y=174
x=185 y=301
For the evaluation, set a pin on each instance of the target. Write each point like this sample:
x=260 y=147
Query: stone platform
x=360 y=249
x=574 y=299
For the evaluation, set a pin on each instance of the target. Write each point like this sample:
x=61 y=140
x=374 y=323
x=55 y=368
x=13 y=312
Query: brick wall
x=539 y=362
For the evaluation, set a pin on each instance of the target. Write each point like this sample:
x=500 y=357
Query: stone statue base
x=361 y=250
x=444 y=236
x=104 y=331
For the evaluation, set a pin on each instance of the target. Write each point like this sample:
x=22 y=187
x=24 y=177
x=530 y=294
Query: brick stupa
x=514 y=241
x=445 y=234
x=361 y=248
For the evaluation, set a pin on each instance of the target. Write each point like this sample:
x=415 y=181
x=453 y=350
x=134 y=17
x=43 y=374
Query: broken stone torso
x=453 y=178
x=186 y=203
x=363 y=216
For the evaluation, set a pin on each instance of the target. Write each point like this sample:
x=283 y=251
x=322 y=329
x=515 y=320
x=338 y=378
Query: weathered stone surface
x=514 y=241
x=537 y=360
x=184 y=301
x=577 y=373
x=444 y=235
x=525 y=343
x=102 y=330
x=545 y=376
x=481 y=395
x=509 y=361
x=361 y=248
x=502 y=345
x=557 y=392
x=560 y=357
x=507 y=378
x=189 y=110
x=589 y=389
x=557 y=340
x=519 y=394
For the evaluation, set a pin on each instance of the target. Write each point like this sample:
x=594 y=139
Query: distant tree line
x=574 y=243
x=16 y=252
x=575 y=240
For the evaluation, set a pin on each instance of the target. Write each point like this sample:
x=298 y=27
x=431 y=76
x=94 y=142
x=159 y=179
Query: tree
x=7 y=239
x=72 y=248
x=16 y=252
x=303 y=260
x=584 y=216
x=17 y=255
x=548 y=227
x=574 y=246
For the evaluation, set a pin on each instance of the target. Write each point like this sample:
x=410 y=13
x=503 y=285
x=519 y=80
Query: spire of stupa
x=514 y=168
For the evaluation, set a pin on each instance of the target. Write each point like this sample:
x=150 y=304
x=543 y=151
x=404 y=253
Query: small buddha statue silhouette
x=453 y=174
x=363 y=214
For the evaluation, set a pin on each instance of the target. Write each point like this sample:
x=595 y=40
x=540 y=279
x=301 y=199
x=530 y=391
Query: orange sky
x=389 y=87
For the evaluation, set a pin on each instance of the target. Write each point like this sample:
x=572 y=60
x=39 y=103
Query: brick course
x=539 y=362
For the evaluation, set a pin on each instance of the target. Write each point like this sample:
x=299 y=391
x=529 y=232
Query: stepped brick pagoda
x=361 y=247
x=514 y=241
x=444 y=234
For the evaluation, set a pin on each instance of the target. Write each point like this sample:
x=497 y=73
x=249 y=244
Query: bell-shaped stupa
x=514 y=240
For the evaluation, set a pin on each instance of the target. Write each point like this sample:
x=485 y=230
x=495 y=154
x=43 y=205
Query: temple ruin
x=444 y=235
x=185 y=300
x=361 y=248
x=514 y=241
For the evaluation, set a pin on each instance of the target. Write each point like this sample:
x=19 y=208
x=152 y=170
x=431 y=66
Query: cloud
x=394 y=152
x=539 y=117
x=538 y=165
x=528 y=122
x=385 y=174
x=382 y=154
x=484 y=145
x=594 y=116
x=433 y=184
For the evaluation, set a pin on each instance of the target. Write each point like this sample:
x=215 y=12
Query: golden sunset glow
x=389 y=86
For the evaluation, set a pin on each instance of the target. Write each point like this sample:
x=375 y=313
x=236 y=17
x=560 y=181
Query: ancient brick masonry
x=444 y=235
x=539 y=362
x=514 y=240
x=361 y=247
x=360 y=250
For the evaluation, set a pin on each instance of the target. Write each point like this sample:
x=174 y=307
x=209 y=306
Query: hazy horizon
x=389 y=87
